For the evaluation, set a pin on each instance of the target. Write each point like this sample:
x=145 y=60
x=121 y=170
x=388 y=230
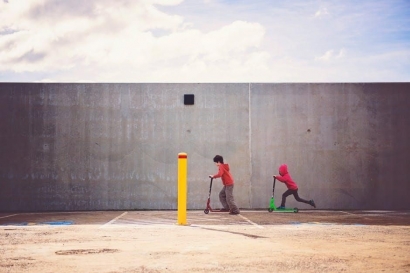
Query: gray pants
x=226 y=198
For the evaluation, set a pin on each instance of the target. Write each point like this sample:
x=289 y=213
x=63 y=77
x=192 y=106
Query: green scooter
x=272 y=206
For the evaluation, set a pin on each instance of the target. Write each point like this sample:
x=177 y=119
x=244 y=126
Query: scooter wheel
x=206 y=211
x=295 y=210
x=270 y=210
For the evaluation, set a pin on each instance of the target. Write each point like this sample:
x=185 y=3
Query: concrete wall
x=346 y=145
x=115 y=146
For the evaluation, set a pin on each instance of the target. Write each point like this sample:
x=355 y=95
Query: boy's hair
x=218 y=158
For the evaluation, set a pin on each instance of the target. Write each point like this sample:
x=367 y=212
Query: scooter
x=208 y=205
x=272 y=206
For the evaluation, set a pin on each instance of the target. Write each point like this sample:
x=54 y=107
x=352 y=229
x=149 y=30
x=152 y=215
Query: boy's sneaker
x=234 y=213
x=312 y=203
x=281 y=207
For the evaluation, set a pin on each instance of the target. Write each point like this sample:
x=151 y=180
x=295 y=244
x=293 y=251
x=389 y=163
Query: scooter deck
x=284 y=210
x=273 y=208
x=207 y=210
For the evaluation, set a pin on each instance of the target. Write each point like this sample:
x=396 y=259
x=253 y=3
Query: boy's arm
x=219 y=174
x=280 y=178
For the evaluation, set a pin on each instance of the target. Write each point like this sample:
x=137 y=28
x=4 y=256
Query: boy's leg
x=284 y=195
x=296 y=195
x=222 y=198
x=231 y=202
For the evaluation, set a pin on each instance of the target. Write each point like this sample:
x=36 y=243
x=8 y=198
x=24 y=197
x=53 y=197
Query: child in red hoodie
x=226 y=194
x=284 y=177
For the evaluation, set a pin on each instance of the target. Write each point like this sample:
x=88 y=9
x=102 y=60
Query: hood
x=225 y=167
x=283 y=169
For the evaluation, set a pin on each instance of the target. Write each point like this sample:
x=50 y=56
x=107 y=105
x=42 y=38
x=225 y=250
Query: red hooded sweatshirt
x=285 y=177
x=224 y=174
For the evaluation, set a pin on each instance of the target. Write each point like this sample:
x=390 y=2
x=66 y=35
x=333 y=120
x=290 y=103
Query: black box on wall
x=189 y=99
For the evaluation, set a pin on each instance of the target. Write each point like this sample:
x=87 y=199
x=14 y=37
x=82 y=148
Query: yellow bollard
x=182 y=187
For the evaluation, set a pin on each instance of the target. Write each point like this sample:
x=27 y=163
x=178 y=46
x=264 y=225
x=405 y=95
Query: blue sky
x=204 y=41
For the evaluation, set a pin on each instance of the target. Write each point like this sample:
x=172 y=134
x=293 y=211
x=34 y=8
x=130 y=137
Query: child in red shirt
x=226 y=194
x=284 y=177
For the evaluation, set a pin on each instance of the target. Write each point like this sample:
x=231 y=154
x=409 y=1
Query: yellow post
x=182 y=187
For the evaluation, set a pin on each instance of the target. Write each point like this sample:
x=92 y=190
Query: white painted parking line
x=8 y=216
x=113 y=220
x=355 y=214
x=249 y=221
x=348 y=213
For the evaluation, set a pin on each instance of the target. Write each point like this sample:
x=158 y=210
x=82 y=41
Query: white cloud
x=327 y=56
x=40 y=43
x=321 y=12
x=331 y=55
x=120 y=37
x=201 y=41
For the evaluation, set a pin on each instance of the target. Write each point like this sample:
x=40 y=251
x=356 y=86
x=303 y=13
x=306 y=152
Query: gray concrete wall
x=114 y=146
x=346 y=145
